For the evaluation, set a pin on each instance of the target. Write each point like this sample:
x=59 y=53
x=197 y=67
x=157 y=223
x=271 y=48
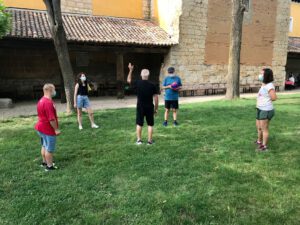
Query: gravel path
x=100 y=103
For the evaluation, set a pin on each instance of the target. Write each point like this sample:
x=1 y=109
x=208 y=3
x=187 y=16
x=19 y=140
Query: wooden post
x=120 y=76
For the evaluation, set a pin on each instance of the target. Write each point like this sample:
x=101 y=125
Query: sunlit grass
x=206 y=171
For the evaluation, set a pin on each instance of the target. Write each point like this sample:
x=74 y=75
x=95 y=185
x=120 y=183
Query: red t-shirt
x=46 y=113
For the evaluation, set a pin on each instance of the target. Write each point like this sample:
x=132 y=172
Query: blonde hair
x=145 y=73
x=48 y=87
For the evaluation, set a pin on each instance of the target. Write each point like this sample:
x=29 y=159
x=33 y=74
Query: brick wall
x=77 y=6
x=202 y=53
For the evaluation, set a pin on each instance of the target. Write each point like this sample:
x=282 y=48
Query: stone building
x=293 y=60
x=191 y=35
x=202 y=53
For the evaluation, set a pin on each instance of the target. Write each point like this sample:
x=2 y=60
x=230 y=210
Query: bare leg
x=43 y=154
x=174 y=114
x=167 y=114
x=150 y=133
x=79 y=116
x=259 y=131
x=91 y=115
x=49 y=158
x=139 y=132
x=265 y=131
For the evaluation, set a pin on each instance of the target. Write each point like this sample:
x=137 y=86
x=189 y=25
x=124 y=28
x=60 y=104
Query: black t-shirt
x=145 y=91
x=82 y=90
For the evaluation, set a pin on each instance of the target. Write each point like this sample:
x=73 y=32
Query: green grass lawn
x=206 y=171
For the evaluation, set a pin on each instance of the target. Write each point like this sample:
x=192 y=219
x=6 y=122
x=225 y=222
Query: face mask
x=83 y=78
x=261 y=77
x=53 y=94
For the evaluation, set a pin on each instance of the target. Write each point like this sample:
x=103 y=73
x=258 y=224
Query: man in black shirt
x=146 y=91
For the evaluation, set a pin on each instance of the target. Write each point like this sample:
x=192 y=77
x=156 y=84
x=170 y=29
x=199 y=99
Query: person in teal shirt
x=171 y=84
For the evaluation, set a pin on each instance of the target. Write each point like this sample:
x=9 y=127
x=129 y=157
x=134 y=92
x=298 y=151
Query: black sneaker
x=175 y=124
x=139 y=142
x=263 y=148
x=47 y=169
x=150 y=142
x=165 y=124
x=43 y=164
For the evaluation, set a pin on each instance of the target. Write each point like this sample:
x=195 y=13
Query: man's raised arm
x=129 y=77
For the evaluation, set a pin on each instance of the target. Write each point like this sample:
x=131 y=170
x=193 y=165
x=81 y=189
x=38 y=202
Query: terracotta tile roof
x=33 y=24
x=294 y=45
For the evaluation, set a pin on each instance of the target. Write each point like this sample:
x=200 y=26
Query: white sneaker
x=80 y=127
x=139 y=142
x=95 y=126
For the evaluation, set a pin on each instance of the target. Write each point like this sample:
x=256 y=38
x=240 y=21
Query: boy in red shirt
x=47 y=126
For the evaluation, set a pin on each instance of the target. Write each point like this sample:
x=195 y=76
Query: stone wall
x=77 y=6
x=281 y=41
x=188 y=55
x=202 y=53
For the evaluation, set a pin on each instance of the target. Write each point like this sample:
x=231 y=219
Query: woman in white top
x=265 y=108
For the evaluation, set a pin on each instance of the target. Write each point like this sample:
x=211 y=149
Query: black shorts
x=171 y=104
x=142 y=112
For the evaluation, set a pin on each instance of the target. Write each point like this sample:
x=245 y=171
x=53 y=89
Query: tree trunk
x=60 y=43
x=233 y=76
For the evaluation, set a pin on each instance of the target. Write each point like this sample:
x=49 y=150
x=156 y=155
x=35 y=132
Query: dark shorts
x=171 y=104
x=264 y=115
x=142 y=112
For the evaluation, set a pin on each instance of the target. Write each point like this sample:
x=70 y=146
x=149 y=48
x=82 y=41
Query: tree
x=233 y=76
x=5 y=19
x=60 y=43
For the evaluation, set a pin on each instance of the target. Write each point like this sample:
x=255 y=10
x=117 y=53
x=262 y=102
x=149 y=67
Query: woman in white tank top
x=265 y=108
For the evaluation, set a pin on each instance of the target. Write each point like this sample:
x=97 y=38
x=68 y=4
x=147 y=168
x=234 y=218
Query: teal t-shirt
x=170 y=94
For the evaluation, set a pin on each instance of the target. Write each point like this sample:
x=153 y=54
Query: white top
x=264 y=101
x=292 y=79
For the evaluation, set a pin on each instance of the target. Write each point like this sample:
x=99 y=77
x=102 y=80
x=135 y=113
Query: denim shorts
x=83 y=101
x=48 y=142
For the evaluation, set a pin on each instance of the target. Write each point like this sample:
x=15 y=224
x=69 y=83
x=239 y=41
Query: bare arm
x=75 y=95
x=129 y=77
x=156 y=103
x=273 y=95
x=166 y=87
x=53 y=124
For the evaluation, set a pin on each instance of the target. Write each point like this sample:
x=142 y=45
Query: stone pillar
x=188 y=56
x=281 y=42
x=77 y=6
